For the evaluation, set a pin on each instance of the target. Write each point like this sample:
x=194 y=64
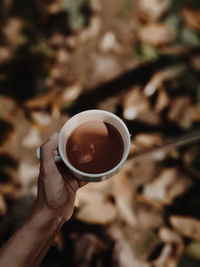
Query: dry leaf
x=164 y=258
x=124 y=254
x=41 y=118
x=162 y=100
x=168 y=235
x=3 y=206
x=110 y=104
x=123 y=193
x=152 y=9
x=183 y=112
x=155 y=82
x=144 y=141
x=27 y=173
x=147 y=217
x=167 y=186
x=57 y=39
x=32 y=139
x=155 y=34
x=191 y=17
x=71 y=93
x=12 y=30
x=59 y=241
x=141 y=171
x=42 y=101
x=195 y=62
x=5 y=54
x=108 y=42
x=9 y=190
x=98 y=210
x=187 y=226
x=94 y=206
x=115 y=231
x=150 y=117
x=8 y=108
x=62 y=56
x=134 y=104
x=92 y=30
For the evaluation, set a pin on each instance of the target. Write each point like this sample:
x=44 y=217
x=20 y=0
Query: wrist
x=43 y=218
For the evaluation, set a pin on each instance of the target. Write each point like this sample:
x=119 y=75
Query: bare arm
x=54 y=206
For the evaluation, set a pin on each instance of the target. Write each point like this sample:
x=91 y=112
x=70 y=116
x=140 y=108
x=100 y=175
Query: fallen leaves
x=134 y=104
x=187 y=226
x=183 y=112
x=152 y=9
x=155 y=34
x=191 y=17
x=168 y=235
x=168 y=185
x=94 y=207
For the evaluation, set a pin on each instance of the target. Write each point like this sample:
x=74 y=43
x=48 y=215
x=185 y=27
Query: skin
x=53 y=207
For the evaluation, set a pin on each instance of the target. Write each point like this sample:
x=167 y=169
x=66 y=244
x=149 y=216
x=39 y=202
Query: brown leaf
x=191 y=17
x=123 y=193
x=110 y=104
x=141 y=171
x=41 y=118
x=167 y=186
x=162 y=100
x=157 y=80
x=165 y=258
x=144 y=141
x=94 y=207
x=59 y=241
x=124 y=254
x=32 y=139
x=183 y=112
x=147 y=217
x=8 y=108
x=12 y=30
x=168 y=235
x=5 y=54
x=155 y=34
x=92 y=30
x=70 y=93
x=42 y=101
x=195 y=62
x=187 y=226
x=97 y=210
x=9 y=190
x=3 y=206
x=152 y=9
x=150 y=117
x=62 y=56
x=134 y=104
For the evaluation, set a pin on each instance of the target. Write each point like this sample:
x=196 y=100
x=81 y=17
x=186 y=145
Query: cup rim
x=95 y=175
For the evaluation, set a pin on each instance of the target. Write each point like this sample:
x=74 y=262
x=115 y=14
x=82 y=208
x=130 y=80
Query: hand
x=56 y=185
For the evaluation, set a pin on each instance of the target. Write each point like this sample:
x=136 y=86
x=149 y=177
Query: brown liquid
x=94 y=147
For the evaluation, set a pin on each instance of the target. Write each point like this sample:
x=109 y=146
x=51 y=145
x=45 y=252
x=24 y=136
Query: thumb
x=47 y=154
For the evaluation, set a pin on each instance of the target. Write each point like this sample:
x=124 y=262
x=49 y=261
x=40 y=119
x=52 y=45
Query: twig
x=159 y=152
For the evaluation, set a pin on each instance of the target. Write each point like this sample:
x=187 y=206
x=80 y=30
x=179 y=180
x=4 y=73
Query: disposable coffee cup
x=84 y=117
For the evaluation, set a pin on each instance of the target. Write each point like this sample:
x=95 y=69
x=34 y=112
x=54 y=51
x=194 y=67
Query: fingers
x=69 y=178
x=47 y=153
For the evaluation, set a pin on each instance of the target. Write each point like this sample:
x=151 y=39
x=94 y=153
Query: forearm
x=30 y=243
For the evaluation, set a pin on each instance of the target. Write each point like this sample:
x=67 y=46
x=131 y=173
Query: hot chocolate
x=94 y=147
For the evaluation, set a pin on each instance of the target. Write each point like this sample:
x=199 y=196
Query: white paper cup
x=86 y=116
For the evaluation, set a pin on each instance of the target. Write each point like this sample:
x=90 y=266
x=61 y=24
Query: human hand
x=56 y=185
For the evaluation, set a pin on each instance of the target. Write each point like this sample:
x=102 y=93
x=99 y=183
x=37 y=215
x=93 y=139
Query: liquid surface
x=94 y=147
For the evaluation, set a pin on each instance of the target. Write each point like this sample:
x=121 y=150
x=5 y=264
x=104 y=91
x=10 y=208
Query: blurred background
x=139 y=59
